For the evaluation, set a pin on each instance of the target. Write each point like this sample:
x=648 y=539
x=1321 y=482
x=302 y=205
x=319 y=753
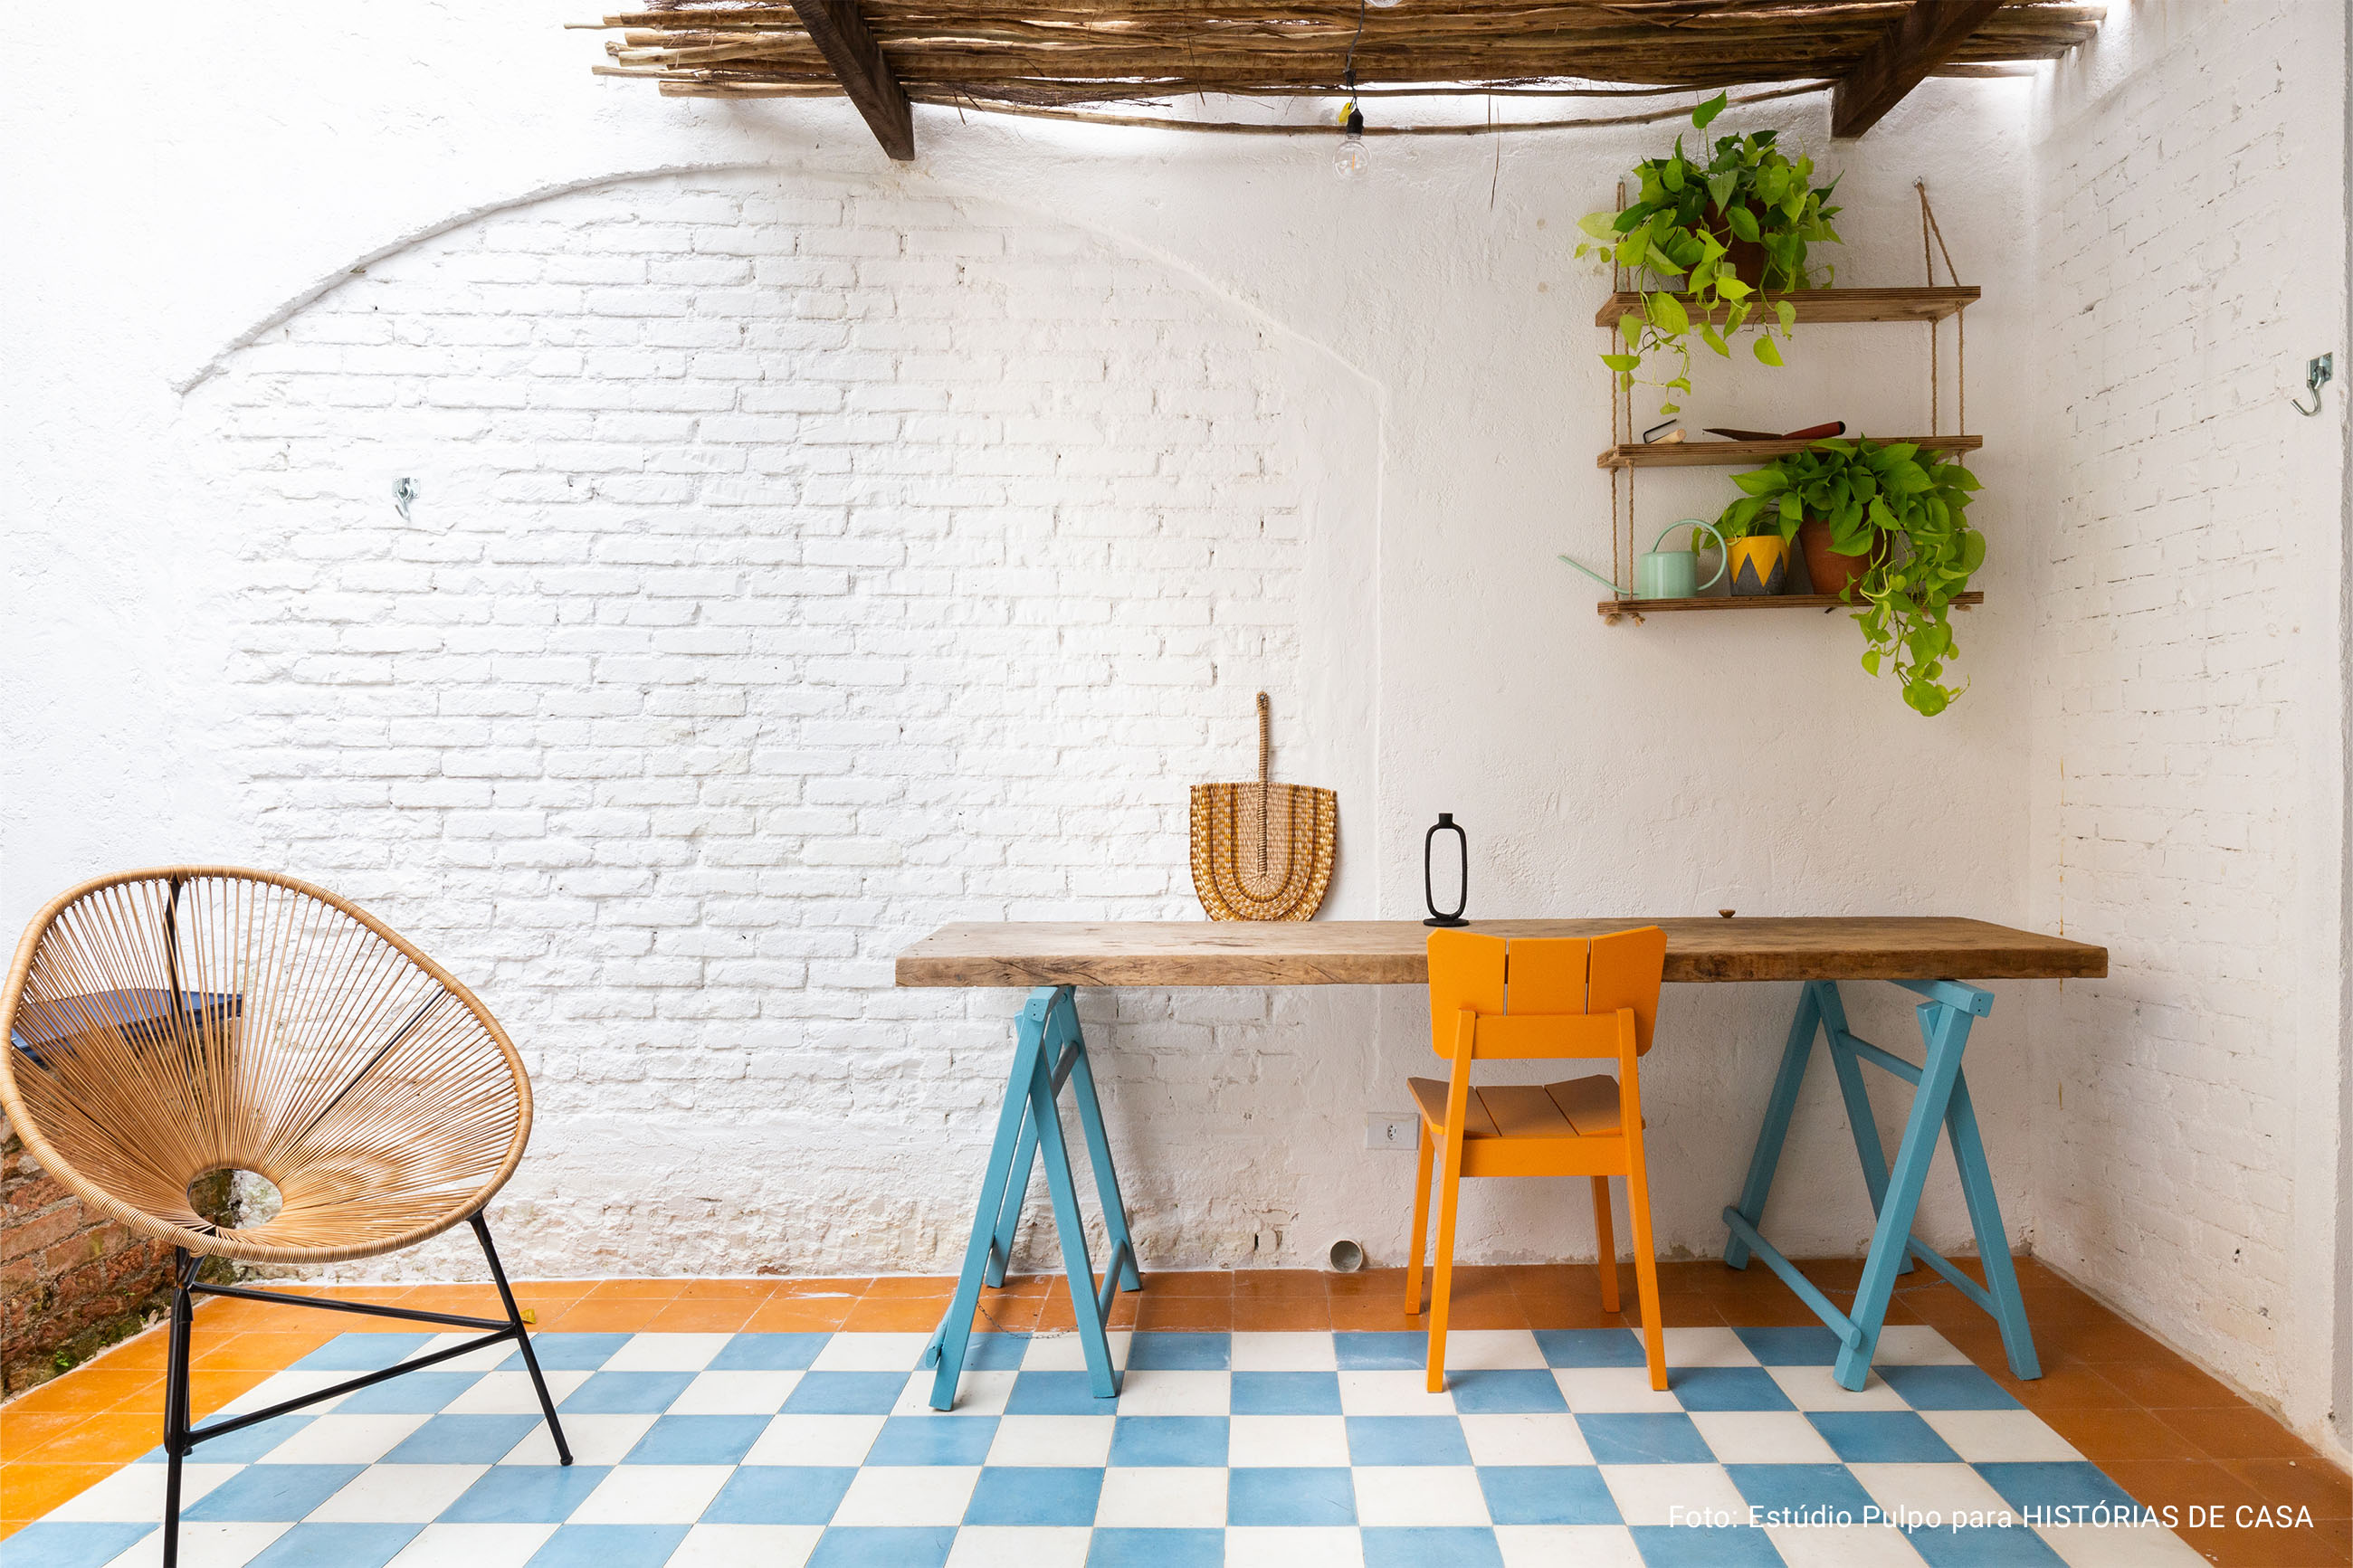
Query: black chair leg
x=522 y=1342
x=176 y=1399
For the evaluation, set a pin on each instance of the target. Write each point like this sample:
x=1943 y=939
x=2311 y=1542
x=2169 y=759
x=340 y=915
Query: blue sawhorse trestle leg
x=1048 y=1051
x=1940 y=1098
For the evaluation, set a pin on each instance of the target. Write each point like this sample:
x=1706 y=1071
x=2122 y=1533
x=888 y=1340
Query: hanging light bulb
x=1351 y=160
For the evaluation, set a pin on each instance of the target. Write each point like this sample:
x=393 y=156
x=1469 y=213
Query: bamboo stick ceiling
x=983 y=52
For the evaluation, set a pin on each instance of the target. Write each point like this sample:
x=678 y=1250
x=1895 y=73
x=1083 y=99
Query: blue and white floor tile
x=1287 y=1450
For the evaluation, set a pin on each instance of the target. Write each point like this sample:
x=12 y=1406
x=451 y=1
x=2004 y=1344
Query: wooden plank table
x=1925 y=954
x=1390 y=953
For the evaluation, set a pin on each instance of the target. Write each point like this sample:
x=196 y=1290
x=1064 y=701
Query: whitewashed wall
x=811 y=550
x=2189 y=696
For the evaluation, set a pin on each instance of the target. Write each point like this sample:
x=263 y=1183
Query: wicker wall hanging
x=1264 y=851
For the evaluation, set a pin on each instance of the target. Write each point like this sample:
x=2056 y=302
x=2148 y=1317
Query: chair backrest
x=1544 y=997
x=164 y=1024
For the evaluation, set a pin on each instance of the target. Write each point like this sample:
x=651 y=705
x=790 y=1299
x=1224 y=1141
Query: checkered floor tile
x=1292 y=1449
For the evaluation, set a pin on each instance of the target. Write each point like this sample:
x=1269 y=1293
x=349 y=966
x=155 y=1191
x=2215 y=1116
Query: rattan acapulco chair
x=165 y=1025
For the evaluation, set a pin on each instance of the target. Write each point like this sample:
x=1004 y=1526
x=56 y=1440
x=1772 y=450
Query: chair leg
x=175 y=1398
x=523 y=1338
x=1442 y=1294
x=1605 y=1244
x=1646 y=1273
x=1420 y=1223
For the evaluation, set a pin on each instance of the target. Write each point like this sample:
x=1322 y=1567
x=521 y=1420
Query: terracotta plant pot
x=1760 y=565
x=1833 y=573
x=1747 y=259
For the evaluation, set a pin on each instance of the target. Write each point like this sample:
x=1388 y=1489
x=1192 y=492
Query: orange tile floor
x=2164 y=1430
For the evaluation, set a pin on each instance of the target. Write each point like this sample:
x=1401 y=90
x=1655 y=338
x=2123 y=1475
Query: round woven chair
x=167 y=1025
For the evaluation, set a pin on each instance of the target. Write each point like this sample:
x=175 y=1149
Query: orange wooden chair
x=1540 y=997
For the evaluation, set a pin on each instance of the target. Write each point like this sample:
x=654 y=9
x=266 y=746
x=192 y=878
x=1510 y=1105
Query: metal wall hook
x=403 y=492
x=2316 y=375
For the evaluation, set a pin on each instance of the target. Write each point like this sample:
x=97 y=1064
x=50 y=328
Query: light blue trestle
x=1941 y=1095
x=1048 y=1051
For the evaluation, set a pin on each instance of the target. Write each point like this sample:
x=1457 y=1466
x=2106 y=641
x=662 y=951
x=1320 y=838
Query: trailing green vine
x=1872 y=495
x=1681 y=227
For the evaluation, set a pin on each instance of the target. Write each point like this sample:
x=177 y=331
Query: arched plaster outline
x=311 y=293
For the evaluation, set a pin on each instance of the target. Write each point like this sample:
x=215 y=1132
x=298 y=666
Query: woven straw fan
x=1264 y=851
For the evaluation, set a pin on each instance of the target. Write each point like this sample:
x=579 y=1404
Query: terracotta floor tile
x=2063 y=1304
x=2063 y=1385
x=23 y=1432
x=1560 y=1278
x=1487 y=1312
x=1011 y=1314
x=467 y=1300
x=149 y=1353
x=683 y=1317
x=1190 y=1282
x=1388 y=1314
x=1198 y=1314
x=87 y=1390
x=2103 y=1434
x=2311 y=1482
x=28 y=1491
x=897 y=1286
x=113 y=1438
x=798 y=1315
x=1283 y=1314
x=608 y=1315
x=1388 y=1286
x=2245 y=1433
x=2179 y=1484
x=2329 y=1544
x=2164 y=1381
x=1832 y=1273
x=1782 y=1312
x=896 y=1315
x=1264 y=1284
x=1687 y=1277
x=1575 y=1313
x=853 y=1288
x=270 y=1351
x=635 y=1289
x=2100 y=1342
x=753 y=1291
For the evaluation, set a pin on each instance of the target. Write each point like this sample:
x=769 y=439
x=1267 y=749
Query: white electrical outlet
x=1390 y=1131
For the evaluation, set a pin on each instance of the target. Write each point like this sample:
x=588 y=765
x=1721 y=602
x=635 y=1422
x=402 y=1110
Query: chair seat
x=1573 y=1108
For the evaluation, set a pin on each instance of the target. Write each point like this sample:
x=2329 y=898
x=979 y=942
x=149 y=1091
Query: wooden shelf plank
x=1613 y=608
x=1723 y=454
x=1844 y=305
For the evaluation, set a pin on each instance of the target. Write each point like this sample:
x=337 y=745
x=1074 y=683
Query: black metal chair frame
x=180 y=1437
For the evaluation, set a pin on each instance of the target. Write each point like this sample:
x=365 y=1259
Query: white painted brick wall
x=2189 y=720
x=789 y=575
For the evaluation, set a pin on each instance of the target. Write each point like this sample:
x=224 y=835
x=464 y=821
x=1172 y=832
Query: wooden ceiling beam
x=1914 y=44
x=841 y=35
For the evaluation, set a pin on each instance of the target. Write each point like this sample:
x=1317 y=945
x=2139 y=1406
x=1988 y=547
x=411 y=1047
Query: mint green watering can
x=1669 y=574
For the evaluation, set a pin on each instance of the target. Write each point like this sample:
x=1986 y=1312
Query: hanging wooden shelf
x=1610 y=610
x=1724 y=454
x=1825 y=305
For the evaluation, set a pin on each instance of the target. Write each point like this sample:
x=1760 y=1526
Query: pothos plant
x=1875 y=499
x=1681 y=227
